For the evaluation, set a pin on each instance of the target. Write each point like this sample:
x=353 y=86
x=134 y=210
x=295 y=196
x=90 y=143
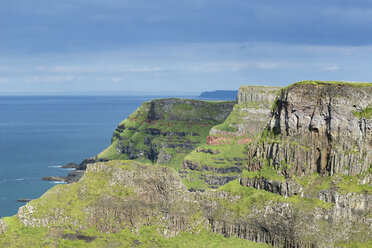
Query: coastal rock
x=70 y=166
x=3 y=226
x=74 y=176
x=56 y=179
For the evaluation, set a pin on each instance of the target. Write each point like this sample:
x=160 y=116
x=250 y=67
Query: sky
x=134 y=47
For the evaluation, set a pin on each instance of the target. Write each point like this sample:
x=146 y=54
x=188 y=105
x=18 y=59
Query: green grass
x=226 y=153
x=365 y=113
x=334 y=83
x=344 y=184
x=355 y=244
x=19 y=236
x=148 y=236
x=267 y=171
x=251 y=197
x=239 y=115
x=194 y=119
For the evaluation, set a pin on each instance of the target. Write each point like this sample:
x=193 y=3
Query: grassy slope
x=73 y=198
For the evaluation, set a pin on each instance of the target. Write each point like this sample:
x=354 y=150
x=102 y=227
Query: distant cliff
x=220 y=94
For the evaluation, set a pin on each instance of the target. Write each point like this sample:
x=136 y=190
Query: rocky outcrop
x=258 y=94
x=315 y=128
x=174 y=109
x=163 y=129
x=252 y=112
x=3 y=226
x=286 y=188
x=55 y=179
x=350 y=206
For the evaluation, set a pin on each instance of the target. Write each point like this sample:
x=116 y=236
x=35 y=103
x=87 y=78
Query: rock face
x=252 y=112
x=316 y=128
x=161 y=130
x=220 y=164
x=258 y=94
x=286 y=188
x=3 y=226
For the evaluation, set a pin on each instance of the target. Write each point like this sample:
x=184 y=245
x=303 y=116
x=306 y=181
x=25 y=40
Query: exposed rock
x=252 y=112
x=3 y=226
x=258 y=94
x=286 y=188
x=210 y=151
x=56 y=179
x=173 y=123
x=23 y=200
x=74 y=176
x=70 y=166
x=92 y=160
x=317 y=130
x=189 y=110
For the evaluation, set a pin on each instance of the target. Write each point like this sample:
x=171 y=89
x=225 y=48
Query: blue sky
x=179 y=47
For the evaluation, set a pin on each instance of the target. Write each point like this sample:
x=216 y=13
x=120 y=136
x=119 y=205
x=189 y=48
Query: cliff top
x=333 y=83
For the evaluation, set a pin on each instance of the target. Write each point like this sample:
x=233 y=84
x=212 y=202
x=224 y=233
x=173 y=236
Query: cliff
x=318 y=127
x=224 y=157
x=219 y=94
x=163 y=131
x=297 y=175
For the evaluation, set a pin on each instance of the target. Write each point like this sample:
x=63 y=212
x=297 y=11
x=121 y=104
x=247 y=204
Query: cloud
x=186 y=67
x=331 y=68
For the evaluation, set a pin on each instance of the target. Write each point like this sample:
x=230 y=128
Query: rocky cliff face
x=3 y=226
x=317 y=127
x=251 y=113
x=224 y=157
x=163 y=131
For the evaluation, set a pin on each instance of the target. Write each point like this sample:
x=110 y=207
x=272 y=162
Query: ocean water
x=39 y=134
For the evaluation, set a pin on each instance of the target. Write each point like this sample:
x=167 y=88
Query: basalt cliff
x=280 y=167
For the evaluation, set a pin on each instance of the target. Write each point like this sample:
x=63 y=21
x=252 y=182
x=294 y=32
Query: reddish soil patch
x=133 y=119
x=244 y=141
x=213 y=140
x=152 y=122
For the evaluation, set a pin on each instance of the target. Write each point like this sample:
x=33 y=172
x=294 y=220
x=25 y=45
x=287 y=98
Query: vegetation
x=255 y=198
x=267 y=171
x=344 y=184
x=365 y=113
x=335 y=83
x=183 y=126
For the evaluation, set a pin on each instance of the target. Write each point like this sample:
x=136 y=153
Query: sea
x=39 y=134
